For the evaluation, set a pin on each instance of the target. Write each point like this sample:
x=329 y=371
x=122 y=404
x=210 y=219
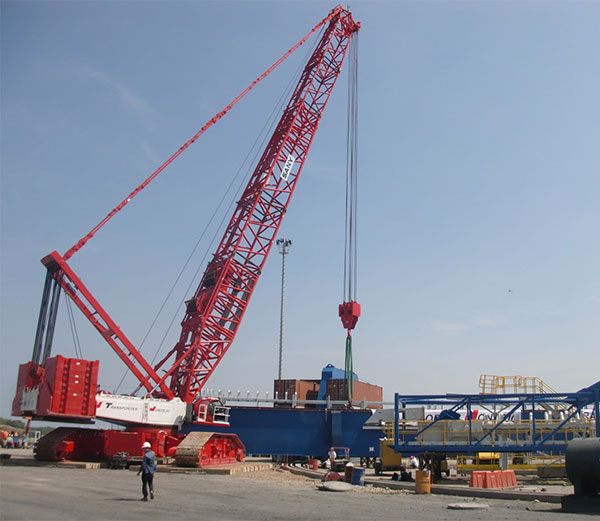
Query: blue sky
x=479 y=132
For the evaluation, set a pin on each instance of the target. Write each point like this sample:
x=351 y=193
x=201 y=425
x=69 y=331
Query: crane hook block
x=349 y=313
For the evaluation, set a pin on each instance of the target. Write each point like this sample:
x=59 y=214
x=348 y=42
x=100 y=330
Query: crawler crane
x=56 y=388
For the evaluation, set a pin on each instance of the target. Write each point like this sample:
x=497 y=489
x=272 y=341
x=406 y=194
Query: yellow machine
x=390 y=460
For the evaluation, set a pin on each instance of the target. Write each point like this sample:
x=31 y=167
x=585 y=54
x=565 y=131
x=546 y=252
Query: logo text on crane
x=287 y=168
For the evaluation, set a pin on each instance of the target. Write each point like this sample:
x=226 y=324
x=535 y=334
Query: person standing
x=147 y=471
x=332 y=456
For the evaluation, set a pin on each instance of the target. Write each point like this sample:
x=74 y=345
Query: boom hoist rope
x=349 y=310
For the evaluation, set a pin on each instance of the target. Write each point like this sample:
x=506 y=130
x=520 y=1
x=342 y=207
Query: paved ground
x=50 y=493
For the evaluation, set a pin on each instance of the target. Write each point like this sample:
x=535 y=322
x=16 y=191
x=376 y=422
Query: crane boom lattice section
x=214 y=313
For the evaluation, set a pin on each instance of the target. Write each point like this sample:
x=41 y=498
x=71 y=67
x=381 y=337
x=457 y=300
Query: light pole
x=284 y=249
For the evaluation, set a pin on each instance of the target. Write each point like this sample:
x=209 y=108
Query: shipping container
x=303 y=389
x=362 y=392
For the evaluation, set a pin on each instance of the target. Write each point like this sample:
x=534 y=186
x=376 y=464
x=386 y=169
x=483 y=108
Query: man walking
x=147 y=470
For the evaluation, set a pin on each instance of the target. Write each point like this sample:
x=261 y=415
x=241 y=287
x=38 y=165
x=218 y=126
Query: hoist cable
x=351 y=224
x=350 y=227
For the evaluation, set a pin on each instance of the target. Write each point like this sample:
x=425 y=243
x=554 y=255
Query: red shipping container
x=303 y=389
x=337 y=390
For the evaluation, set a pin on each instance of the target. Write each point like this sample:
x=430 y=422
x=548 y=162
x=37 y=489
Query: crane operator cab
x=208 y=411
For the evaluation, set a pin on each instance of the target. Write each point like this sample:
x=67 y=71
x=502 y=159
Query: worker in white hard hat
x=147 y=471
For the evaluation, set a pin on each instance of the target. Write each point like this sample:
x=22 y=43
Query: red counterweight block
x=66 y=389
x=73 y=384
x=349 y=313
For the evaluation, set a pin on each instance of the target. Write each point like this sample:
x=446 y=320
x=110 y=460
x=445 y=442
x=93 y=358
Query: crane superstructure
x=213 y=314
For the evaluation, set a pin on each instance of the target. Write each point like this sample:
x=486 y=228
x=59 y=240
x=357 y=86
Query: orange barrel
x=348 y=472
x=423 y=482
x=313 y=464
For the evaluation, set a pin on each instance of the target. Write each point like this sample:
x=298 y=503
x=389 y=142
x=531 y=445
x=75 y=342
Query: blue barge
x=300 y=432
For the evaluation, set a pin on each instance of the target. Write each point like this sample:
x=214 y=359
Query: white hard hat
x=146 y=445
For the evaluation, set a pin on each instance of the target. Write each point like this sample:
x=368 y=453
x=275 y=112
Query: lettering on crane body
x=287 y=167
x=133 y=409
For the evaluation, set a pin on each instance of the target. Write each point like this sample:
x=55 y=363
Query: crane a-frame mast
x=216 y=309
